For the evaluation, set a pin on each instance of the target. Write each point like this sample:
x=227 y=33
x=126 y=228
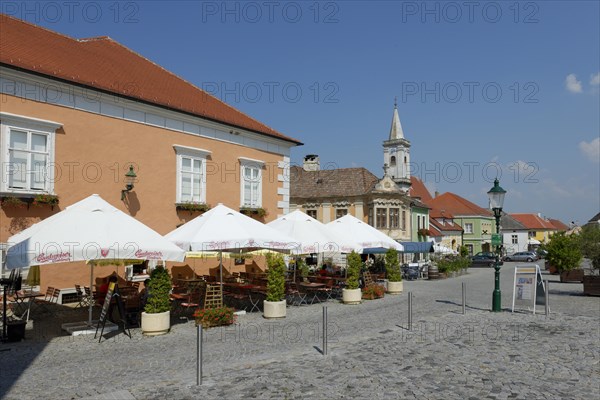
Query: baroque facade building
x=384 y=203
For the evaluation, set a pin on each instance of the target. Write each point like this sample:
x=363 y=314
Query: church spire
x=396 y=130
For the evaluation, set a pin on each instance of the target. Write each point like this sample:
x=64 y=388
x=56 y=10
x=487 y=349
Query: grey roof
x=595 y=218
x=340 y=182
x=509 y=223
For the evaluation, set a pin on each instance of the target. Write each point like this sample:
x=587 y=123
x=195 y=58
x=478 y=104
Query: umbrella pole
x=295 y=267
x=91 y=306
x=221 y=272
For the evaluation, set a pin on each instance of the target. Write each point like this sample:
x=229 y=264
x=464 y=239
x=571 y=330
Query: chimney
x=436 y=194
x=311 y=162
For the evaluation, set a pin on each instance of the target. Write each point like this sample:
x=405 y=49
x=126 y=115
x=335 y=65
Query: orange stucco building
x=76 y=114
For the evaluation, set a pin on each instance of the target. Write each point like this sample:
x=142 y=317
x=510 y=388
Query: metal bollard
x=324 y=330
x=464 y=298
x=410 y=311
x=199 y=337
x=547 y=295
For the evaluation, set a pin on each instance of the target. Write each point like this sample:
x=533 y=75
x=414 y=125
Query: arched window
x=393 y=161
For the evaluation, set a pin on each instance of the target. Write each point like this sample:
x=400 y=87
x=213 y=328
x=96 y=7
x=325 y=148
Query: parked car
x=541 y=253
x=528 y=256
x=484 y=258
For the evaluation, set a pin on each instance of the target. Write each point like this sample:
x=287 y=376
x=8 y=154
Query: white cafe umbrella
x=364 y=234
x=224 y=229
x=312 y=235
x=89 y=230
x=441 y=249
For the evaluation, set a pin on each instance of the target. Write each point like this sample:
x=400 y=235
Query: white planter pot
x=274 y=309
x=156 y=324
x=352 y=296
x=395 y=287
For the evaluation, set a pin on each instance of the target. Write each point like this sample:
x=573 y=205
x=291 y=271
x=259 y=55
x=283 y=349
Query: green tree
x=563 y=251
x=354 y=266
x=275 y=277
x=159 y=289
x=589 y=244
x=392 y=266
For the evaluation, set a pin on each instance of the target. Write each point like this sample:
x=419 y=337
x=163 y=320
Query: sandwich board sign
x=528 y=288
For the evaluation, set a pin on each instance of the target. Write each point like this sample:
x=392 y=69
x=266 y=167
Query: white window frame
x=196 y=154
x=258 y=165
x=30 y=125
x=470 y=226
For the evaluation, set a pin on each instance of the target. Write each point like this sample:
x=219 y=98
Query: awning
x=417 y=247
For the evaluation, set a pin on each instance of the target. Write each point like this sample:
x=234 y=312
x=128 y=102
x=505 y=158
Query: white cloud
x=595 y=79
x=591 y=150
x=572 y=84
x=523 y=171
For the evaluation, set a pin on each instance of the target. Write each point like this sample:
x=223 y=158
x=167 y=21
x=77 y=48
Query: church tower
x=396 y=153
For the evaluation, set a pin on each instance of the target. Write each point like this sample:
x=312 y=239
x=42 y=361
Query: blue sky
x=495 y=86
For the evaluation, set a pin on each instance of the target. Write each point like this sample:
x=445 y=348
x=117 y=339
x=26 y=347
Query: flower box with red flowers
x=210 y=317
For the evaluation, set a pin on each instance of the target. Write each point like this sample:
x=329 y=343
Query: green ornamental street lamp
x=130 y=177
x=496 y=195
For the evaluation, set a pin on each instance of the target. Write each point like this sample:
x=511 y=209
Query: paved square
x=372 y=355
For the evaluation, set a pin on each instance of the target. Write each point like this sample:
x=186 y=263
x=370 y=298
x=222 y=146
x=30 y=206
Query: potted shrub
x=351 y=294
x=565 y=255
x=393 y=273
x=274 y=305
x=589 y=243
x=156 y=318
x=303 y=269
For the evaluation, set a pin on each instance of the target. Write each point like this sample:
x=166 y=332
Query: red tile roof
x=102 y=63
x=559 y=225
x=418 y=189
x=437 y=213
x=446 y=227
x=433 y=231
x=456 y=205
x=533 y=221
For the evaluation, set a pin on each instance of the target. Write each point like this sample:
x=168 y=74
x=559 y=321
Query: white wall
x=511 y=248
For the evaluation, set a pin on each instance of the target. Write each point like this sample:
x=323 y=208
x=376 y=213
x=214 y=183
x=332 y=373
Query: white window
x=468 y=227
x=251 y=182
x=515 y=239
x=27 y=154
x=191 y=174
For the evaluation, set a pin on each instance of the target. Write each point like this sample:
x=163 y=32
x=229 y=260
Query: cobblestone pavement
x=371 y=353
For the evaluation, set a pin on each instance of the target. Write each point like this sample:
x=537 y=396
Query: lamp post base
x=497 y=301
x=497 y=295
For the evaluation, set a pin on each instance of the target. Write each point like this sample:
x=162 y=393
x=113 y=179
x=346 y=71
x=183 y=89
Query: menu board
x=112 y=295
x=106 y=305
x=528 y=288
